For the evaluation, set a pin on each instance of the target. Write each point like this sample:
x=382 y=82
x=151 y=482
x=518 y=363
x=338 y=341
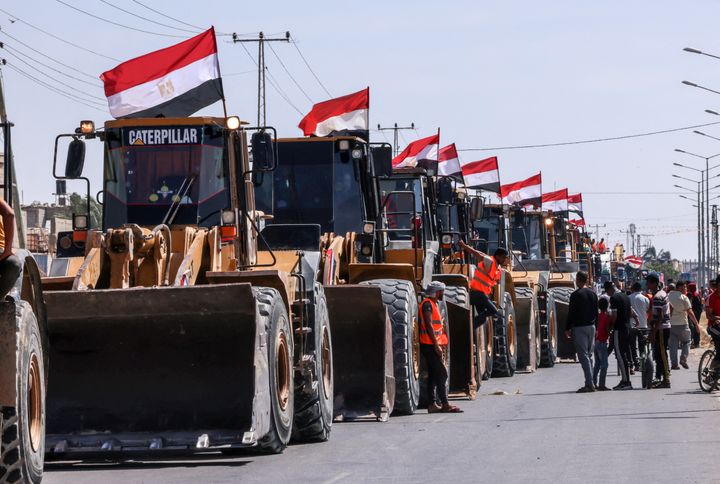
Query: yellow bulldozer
x=177 y=323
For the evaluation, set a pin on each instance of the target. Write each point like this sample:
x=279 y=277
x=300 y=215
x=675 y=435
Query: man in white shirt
x=638 y=334
x=680 y=335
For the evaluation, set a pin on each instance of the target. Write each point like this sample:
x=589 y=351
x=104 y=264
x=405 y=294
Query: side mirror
x=75 y=159
x=476 y=209
x=263 y=152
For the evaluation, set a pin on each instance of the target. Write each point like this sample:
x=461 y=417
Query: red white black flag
x=556 y=201
x=449 y=162
x=575 y=204
x=173 y=82
x=418 y=153
x=344 y=114
x=522 y=193
x=483 y=174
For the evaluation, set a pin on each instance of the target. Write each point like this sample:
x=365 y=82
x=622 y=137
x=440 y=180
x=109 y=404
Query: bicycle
x=707 y=378
x=645 y=358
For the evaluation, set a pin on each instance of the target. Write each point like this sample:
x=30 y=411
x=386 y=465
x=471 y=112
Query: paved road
x=540 y=430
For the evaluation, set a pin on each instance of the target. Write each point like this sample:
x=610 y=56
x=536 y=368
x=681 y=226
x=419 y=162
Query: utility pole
x=261 y=39
x=597 y=231
x=10 y=190
x=632 y=229
x=395 y=129
x=714 y=253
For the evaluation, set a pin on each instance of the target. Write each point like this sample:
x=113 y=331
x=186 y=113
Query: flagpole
x=222 y=88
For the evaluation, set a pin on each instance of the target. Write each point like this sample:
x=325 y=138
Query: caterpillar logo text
x=163 y=136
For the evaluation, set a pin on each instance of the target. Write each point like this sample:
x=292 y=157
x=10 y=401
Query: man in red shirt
x=713 y=328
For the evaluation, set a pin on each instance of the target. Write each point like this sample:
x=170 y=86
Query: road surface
x=529 y=428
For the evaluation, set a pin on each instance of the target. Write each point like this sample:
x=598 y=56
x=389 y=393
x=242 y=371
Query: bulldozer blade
x=462 y=368
x=174 y=368
x=362 y=352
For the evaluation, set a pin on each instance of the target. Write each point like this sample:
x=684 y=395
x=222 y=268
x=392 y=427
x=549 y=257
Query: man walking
x=620 y=321
x=433 y=342
x=638 y=334
x=580 y=326
x=660 y=326
x=680 y=334
x=713 y=326
x=487 y=274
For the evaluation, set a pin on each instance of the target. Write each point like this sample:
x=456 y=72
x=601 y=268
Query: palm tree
x=650 y=254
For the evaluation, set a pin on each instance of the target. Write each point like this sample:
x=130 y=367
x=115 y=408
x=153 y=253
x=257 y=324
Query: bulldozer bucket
x=362 y=352
x=462 y=367
x=146 y=369
x=525 y=312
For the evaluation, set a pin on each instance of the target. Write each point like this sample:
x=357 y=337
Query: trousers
x=10 y=269
x=680 y=337
x=584 y=339
x=621 y=339
x=601 y=363
x=662 y=366
x=437 y=375
x=484 y=307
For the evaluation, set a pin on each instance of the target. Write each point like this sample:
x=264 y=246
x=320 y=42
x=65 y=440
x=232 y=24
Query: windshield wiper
x=175 y=205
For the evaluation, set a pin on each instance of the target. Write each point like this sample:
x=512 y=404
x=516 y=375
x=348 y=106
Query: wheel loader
x=23 y=357
x=380 y=248
x=178 y=324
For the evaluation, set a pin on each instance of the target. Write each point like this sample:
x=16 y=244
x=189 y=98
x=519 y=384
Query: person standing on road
x=602 y=333
x=487 y=275
x=620 y=321
x=660 y=326
x=713 y=327
x=638 y=333
x=433 y=343
x=680 y=335
x=697 y=309
x=580 y=326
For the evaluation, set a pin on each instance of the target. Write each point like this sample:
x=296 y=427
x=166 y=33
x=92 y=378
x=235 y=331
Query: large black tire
x=528 y=358
x=22 y=449
x=314 y=379
x=505 y=360
x=401 y=302
x=565 y=347
x=271 y=309
x=457 y=295
x=549 y=334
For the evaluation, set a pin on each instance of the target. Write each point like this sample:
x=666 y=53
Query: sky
x=487 y=73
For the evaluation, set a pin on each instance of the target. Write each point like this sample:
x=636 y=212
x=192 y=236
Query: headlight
x=87 y=127
x=548 y=221
x=369 y=228
x=344 y=145
x=366 y=250
x=228 y=217
x=233 y=122
x=446 y=239
x=80 y=222
x=357 y=154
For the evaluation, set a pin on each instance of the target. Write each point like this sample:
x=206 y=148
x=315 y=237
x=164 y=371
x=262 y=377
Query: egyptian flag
x=579 y=222
x=522 y=193
x=483 y=174
x=449 y=162
x=342 y=115
x=556 y=201
x=173 y=82
x=634 y=261
x=575 y=204
x=418 y=153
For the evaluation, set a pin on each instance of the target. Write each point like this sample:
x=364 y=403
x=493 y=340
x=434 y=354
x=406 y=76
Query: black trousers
x=484 y=307
x=634 y=346
x=437 y=375
x=10 y=269
x=660 y=353
x=621 y=337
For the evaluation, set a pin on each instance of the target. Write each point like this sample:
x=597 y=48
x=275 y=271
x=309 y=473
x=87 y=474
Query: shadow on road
x=185 y=461
x=679 y=413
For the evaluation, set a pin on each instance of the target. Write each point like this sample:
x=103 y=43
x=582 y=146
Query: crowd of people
x=663 y=319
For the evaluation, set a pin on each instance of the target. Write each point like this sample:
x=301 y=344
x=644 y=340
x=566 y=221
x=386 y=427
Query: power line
x=150 y=20
x=597 y=140
x=49 y=34
x=272 y=81
x=16 y=52
x=294 y=42
x=112 y=22
x=290 y=75
x=181 y=22
x=67 y=95
x=74 y=69
x=70 y=86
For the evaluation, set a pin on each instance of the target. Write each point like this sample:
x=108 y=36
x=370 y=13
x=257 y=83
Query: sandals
x=448 y=409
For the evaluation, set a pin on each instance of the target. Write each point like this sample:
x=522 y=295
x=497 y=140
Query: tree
x=660 y=261
x=78 y=203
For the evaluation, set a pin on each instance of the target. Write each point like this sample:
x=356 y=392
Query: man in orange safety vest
x=487 y=275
